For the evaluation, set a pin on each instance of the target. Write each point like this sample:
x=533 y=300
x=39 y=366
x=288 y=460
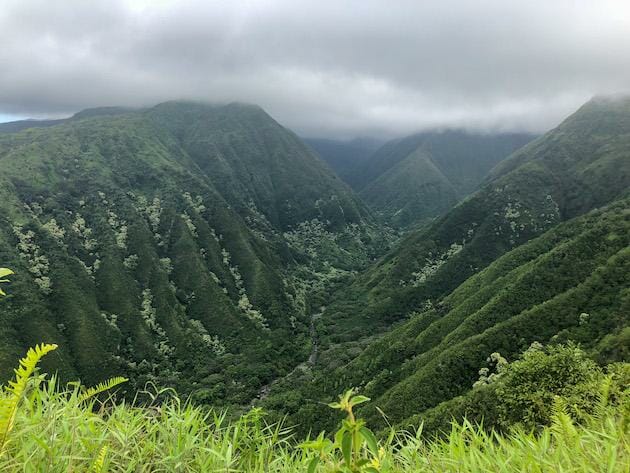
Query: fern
x=561 y=423
x=99 y=461
x=101 y=387
x=14 y=390
x=603 y=397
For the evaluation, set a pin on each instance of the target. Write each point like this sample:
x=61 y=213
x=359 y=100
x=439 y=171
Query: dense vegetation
x=414 y=179
x=44 y=427
x=536 y=293
x=174 y=244
x=581 y=165
x=207 y=249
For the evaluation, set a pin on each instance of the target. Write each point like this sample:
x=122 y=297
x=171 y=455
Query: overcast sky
x=323 y=68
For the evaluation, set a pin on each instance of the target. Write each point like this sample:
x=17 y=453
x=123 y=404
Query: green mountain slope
x=422 y=176
x=412 y=191
x=447 y=323
x=170 y=245
x=571 y=283
x=537 y=292
x=12 y=127
x=582 y=164
x=286 y=191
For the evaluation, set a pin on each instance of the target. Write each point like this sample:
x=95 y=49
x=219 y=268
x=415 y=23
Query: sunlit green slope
x=570 y=284
x=582 y=164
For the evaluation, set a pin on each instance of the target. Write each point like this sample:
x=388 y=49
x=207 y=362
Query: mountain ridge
x=548 y=237
x=409 y=181
x=138 y=261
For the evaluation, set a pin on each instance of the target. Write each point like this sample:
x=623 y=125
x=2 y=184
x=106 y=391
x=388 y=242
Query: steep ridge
x=582 y=164
x=420 y=177
x=571 y=283
x=412 y=191
x=169 y=245
x=287 y=191
x=522 y=288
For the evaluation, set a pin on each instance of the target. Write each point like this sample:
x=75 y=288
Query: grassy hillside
x=571 y=283
x=419 y=177
x=173 y=244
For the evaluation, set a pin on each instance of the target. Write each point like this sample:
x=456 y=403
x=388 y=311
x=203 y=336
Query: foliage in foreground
x=52 y=428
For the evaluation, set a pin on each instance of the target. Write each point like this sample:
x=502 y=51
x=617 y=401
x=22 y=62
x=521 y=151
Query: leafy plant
x=355 y=448
x=14 y=391
x=102 y=387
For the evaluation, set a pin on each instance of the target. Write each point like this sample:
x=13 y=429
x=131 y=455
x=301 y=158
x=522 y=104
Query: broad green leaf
x=313 y=465
x=346 y=448
x=356 y=400
x=370 y=439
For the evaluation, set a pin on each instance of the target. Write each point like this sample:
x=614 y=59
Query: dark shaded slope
x=165 y=253
x=272 y=168
x=345 y=157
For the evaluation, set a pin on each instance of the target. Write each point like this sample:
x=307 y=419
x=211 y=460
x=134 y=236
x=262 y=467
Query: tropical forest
x=191 y=282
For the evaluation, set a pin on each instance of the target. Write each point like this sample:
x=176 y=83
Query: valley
x=310 y=237
x=209 y=250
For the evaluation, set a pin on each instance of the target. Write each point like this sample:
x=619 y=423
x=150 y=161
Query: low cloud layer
x=337 y=69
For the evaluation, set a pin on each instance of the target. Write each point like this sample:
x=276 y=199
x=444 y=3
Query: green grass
x=60 y=429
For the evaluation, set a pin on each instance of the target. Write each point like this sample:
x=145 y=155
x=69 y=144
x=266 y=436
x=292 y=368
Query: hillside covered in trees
x=206 y=252
x=175 y=244
x=412 y=180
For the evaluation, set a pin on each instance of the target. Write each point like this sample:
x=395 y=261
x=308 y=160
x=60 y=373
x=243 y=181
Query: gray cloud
x=322 y=68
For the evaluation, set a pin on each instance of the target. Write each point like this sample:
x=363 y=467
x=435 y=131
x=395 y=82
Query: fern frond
x=14 y=390
x=603 y=397
x=99 y=461
x=101 y=387
x=4 y=272
x=561 y=423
